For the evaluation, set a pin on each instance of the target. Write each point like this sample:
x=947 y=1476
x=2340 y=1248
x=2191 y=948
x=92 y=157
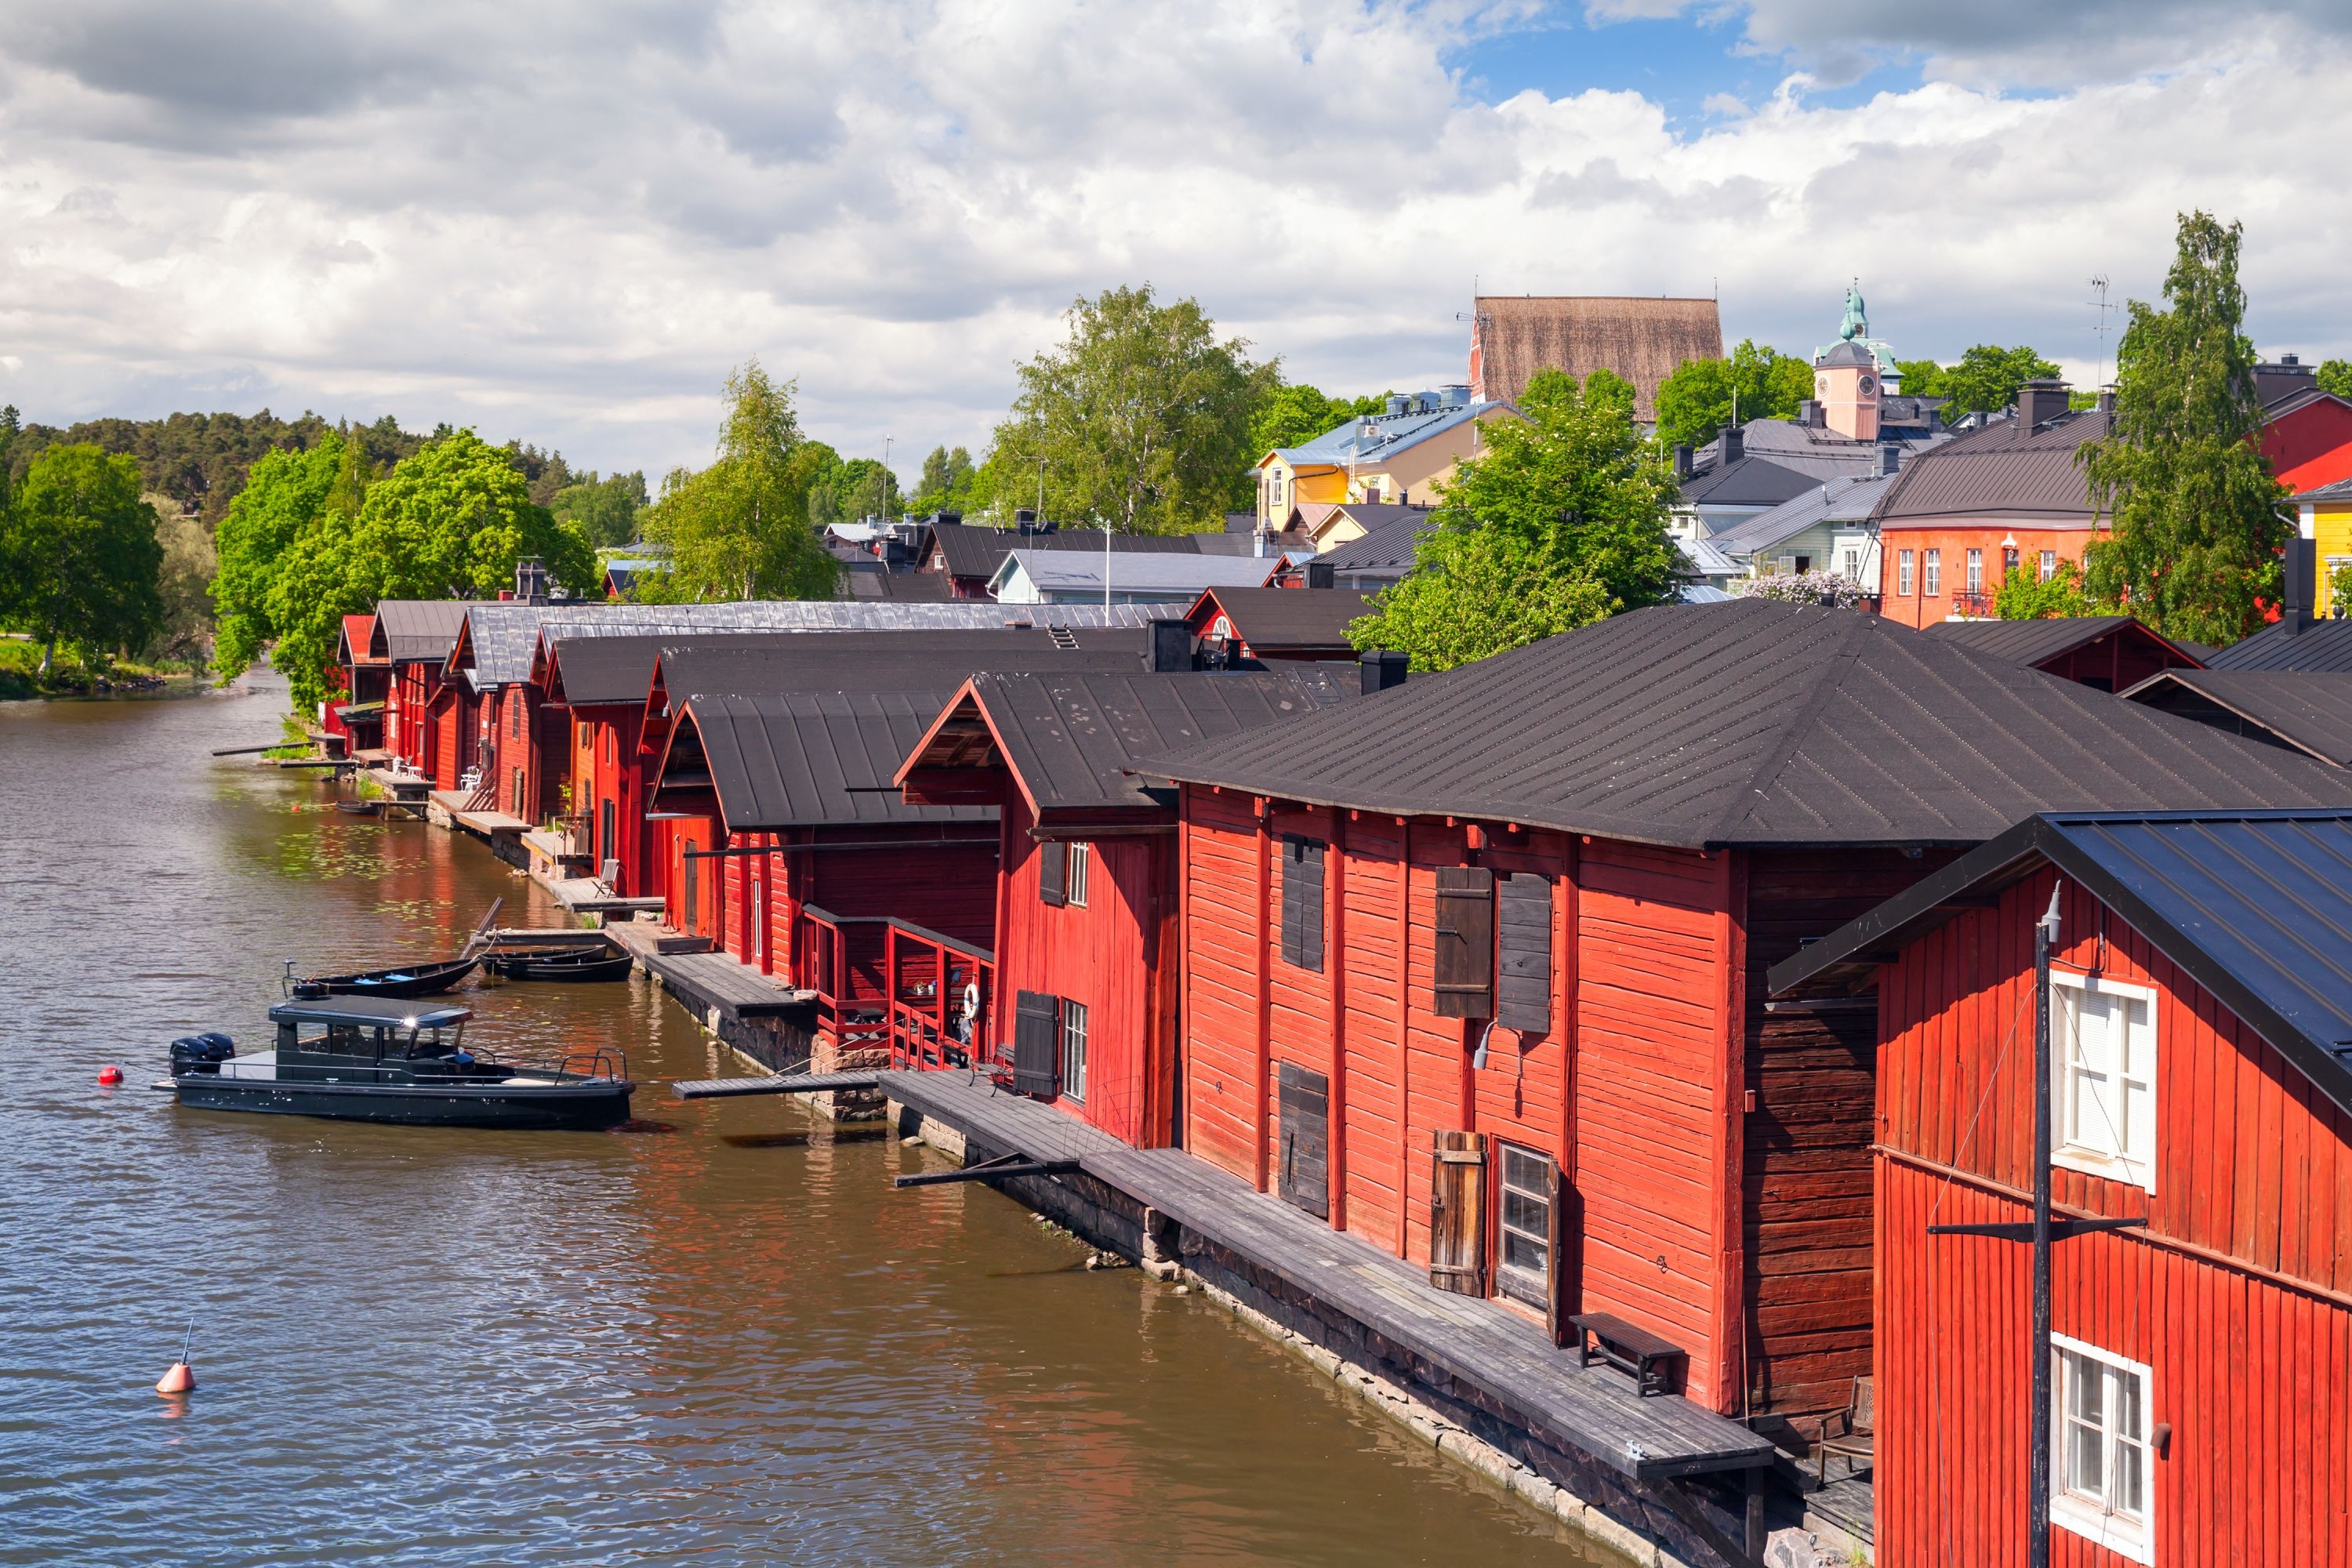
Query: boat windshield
x=437 y=1041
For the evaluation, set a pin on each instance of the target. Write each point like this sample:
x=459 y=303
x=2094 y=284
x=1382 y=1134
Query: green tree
x=605 y=510
x=2197 y=525
x=1987 y=378
x=285 y=497
x=1292 y=415
x=451 y=522
x=947 y=482
x=1561 y=521
x=741 y=528
x=78 y=556
x=1760 y=383
x=1920 y=377
x=1140 y=417
x=2336 y=376
x=2024 y=595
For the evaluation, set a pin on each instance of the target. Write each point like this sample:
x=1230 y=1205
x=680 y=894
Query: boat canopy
x=397 y=1012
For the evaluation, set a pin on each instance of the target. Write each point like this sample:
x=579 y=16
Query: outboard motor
x=200 y=1053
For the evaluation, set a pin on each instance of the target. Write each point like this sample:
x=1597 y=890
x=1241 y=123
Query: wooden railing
x=883 y=982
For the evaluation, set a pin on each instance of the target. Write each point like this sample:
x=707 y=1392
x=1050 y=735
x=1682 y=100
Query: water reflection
x=730 y=1343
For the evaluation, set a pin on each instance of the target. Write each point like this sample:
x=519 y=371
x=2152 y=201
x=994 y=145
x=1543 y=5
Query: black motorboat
x=595 y=962
x=405 y=981
x=369 y=1058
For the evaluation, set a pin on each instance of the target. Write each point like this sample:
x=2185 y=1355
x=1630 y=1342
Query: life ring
x=971 y=999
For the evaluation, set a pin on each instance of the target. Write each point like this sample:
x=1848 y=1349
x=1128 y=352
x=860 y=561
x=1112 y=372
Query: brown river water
x=718 y=1338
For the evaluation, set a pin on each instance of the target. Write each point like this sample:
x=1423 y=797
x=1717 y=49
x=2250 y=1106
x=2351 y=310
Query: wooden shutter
x=1302 y=904
x=1558 y=1306
x=692 y=874
x=1457 y=1214
x=1466 y=943
x=1523 y=940
x=1054 y=873
x=1035 y=1022
x=1306 y=1102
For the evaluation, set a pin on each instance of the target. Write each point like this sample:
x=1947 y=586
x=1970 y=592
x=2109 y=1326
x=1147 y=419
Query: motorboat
x=381 y=1058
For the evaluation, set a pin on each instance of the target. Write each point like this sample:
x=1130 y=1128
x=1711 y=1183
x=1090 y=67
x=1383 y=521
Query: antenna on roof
x=2100 y=283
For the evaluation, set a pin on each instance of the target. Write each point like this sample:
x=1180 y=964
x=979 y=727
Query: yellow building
x=1397 y=457
x=2325 y=515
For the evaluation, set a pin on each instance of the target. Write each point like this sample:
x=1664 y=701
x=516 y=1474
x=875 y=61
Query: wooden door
x=690 y=877
x=1036 y=1021
x=1306 y=1105
x=1457 y=1214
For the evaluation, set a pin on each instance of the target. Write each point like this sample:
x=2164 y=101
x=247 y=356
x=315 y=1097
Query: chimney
x=1731 y=446
x=1809 y=412
x=2106 y=400
x=1382 y=668
x=2039 y=402
x=531 y=580
x=2290 y=359
x=1024 y=520
x=1397 y=403
x=1454 y=395
x=1172 y=647
x=1318 y=575
x=1890 y=460
x=2302 y=582
x=1683 y=460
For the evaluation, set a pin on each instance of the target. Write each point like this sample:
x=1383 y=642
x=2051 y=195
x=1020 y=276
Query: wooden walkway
x=787 y=1083
x=1476 y=1343
x=708 y=979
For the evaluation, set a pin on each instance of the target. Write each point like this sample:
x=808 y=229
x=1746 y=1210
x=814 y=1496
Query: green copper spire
x=1857 y=317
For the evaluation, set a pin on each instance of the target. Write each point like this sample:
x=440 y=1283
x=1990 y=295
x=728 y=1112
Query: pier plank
x=790 y=1083
x=1594 y=1410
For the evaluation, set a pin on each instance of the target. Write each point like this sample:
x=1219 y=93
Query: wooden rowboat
x=570 y=964
x=407 y=980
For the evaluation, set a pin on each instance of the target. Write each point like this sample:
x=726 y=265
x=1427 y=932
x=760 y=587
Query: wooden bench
x=1641 y=1354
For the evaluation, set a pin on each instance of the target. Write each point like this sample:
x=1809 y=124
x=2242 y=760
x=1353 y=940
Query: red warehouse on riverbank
x=2201 y=1080
x=1086 y=880
x=1476 y=968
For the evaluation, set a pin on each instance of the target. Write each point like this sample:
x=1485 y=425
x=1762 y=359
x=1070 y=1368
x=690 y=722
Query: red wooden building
x=1501 y=935
x=1086 y=880
x=1248 y=628
x=357 y=713
x=2201 y=1367
x=2105 y=653
x=413 y=638
x=514 y=732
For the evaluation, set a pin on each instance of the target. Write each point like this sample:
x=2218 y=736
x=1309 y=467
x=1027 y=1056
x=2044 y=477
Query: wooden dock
x=786 y=1083
x=705 y=981
x=1487 y=1356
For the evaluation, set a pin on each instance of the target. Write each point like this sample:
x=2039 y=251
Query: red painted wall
x=2310 y=446
x=2238 y=1294
x=607 y=766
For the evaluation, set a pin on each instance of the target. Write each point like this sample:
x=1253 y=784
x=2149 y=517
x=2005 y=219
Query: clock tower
x=1845 y=381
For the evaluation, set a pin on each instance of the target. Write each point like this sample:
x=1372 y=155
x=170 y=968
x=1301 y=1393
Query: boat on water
x=595 y=962
x=401 y=981
x=375 y=1058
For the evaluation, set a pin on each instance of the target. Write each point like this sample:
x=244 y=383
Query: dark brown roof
x=803 y=759
x=973 y=552
x=1752 y=723
x=2004 y=469
x=1072 y=740
x=621 y=669
x=411 y=630
x=2310 y=711
x=1643 y=340
x=2033 y=642
x=2322 y=644
x=1287 y=617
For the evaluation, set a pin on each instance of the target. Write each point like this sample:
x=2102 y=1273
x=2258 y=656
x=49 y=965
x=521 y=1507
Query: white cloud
x=566 y=226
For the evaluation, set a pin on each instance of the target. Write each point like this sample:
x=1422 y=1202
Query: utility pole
x=2041 y=1232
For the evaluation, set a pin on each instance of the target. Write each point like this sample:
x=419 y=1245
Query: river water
x=717 y=1338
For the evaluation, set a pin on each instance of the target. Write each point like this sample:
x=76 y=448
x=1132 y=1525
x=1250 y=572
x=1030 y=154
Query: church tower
x=1847 y=378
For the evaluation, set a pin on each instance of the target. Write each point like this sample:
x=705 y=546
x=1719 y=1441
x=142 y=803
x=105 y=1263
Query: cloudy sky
x=564 y=222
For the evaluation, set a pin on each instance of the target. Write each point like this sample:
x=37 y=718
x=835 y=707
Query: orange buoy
x=110 y=1074
x=179 y=1379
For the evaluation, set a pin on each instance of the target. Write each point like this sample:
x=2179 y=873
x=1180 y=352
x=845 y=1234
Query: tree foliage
x=284 y=498
x=740 y=528
x=1560 y=521
x=1292 y=415
x=2024 y=595
x=2336 y=375
x=949 y=483
x=78 y=555
x=1698 y=399
x=1140 y=417
x=605 y=510
x=2197 y=525
x=1986 y=379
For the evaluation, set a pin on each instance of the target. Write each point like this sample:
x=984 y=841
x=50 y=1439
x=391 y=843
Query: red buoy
x=110 y=1074
x=179 y=1379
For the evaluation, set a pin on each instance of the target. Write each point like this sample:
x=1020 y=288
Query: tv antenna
x=2100 y=283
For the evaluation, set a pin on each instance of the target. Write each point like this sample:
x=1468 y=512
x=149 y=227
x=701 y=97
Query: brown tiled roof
x=1643 y=340
x=2002 y=471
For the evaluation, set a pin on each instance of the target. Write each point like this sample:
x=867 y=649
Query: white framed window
x=1073 y=1051
x=1082 y=859
x=1976 y=570
x=2103 y=1051
x=1523 y=1271
x=1852 y=568
x=1903 y=573
x=1933 y=568
x=2049 y=564
x=2101 y=1485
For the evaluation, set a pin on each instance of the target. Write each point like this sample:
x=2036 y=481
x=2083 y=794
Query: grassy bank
x=20 y=677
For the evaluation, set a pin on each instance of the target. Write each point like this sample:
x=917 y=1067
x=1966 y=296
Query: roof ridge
x=1792 y=734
